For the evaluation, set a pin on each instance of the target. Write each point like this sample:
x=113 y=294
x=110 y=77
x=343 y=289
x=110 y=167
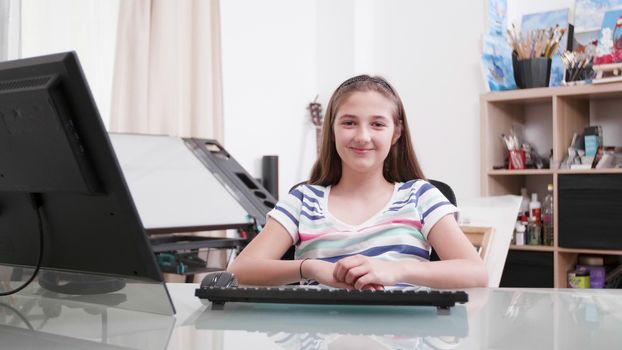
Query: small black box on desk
x=590 y=211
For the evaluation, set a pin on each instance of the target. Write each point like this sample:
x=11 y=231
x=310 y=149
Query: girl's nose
x=362 y=134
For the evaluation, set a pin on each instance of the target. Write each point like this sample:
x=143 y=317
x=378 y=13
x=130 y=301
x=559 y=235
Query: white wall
x=279 y=54
x=432 y=56
x=85 y=26
x=269 y=75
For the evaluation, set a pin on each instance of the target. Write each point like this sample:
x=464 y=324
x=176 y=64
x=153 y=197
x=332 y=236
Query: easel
x=184 y=190
x=607 y=73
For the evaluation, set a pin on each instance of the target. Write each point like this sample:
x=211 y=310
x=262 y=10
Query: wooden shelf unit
x=549 y=118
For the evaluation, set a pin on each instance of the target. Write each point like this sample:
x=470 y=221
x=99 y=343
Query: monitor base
x=69 y=283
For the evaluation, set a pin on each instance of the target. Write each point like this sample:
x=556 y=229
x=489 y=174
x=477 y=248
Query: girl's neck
x=361 y=183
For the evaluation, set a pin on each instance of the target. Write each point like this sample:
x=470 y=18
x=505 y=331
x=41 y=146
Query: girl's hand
x=364 y=272
x=322 y=272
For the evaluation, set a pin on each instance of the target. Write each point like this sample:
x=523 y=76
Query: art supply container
x=532 y=72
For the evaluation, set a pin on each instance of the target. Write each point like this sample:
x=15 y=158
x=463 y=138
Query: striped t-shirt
x=398 y=231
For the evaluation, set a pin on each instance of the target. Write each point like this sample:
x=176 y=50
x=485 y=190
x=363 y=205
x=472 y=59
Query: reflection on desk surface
x=291 y=326
x=371 y=320
x=29 y=322
x=555 y=319
x=492 y=319
x=20 y=338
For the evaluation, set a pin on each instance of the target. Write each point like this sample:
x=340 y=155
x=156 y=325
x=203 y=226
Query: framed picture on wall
x=589 y=14
x=611 y=30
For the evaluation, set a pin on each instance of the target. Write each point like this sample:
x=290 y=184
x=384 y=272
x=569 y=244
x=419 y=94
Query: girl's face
x=365 y=131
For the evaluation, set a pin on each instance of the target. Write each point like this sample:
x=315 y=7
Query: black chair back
x=451 y=197
x=445 y=190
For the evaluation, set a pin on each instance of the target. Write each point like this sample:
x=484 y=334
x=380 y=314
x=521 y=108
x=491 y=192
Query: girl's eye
x=378 y=125
x=347 y=123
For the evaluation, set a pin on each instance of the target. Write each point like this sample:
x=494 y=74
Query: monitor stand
x=69 y=283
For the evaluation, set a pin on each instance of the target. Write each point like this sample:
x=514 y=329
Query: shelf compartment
x=574 y=113
x=566 y=261
x=502 y=184
x=533 y=123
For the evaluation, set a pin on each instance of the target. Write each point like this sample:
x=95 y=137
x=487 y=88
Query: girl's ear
x=397 y=133
x=395 y=138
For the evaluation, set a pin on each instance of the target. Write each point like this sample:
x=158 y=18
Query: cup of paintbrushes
x=517 y=159
x=531 y=72
x=578 y=67
x=579 y=74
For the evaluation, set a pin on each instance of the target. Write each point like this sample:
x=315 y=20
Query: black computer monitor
x=54 y=149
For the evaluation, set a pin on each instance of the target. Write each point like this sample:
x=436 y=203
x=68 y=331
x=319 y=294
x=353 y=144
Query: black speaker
x=589 y=211
x=270 y=174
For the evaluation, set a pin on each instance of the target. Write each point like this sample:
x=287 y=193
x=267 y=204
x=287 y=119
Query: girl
x=366 y=218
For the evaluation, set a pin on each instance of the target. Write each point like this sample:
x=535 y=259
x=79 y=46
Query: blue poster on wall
x=496 y=52
x=497 y=17
x=497 y=64
x=544 y=20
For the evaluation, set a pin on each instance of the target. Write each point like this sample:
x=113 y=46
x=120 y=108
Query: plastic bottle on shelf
x=534 y=232
x=525 y=220
x=524 y=204
x=520 y=234
x=547 y=217
x=534 y=208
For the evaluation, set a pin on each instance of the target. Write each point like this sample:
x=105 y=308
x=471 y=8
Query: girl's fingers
x=344 y=265
x=354 y=273
x=364 y=281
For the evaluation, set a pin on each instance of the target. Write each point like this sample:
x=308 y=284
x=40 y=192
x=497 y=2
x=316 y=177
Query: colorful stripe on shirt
x=397 y=232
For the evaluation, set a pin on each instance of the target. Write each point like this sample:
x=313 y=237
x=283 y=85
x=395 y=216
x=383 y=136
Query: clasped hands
x=354 y=272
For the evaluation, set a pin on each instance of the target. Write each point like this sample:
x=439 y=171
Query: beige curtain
x=4 y=29
x=167 y=74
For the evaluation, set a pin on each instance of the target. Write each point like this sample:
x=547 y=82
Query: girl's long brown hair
x=401 y=163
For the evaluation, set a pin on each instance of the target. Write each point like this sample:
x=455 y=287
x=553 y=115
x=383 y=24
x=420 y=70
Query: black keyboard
x=443 y=300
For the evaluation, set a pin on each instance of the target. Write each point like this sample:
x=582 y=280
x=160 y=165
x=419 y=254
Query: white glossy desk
x=493 y=319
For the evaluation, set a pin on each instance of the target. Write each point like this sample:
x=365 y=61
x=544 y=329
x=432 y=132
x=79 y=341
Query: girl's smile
x=361 y=151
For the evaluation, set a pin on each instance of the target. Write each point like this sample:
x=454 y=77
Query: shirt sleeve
x=287 y=212
x=432 y=206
